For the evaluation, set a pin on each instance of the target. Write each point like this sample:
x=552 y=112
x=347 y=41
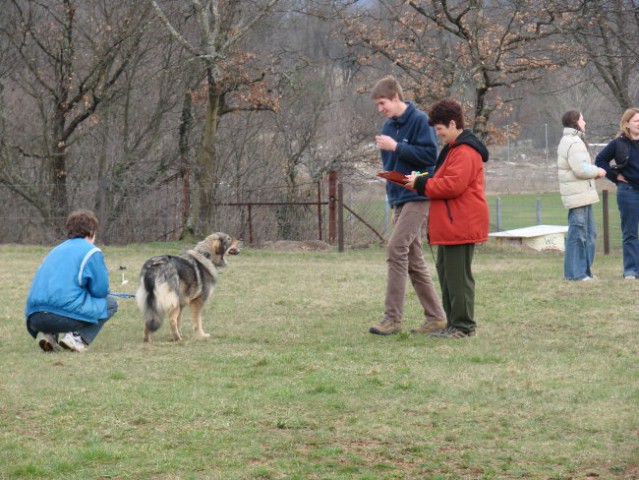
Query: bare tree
x=232 y=81
x=134 y=146
x=70 y=64
x=473 y=50
x=605 y=36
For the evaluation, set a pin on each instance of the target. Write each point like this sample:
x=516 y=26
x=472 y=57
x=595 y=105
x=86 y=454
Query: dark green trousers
x=457 y=284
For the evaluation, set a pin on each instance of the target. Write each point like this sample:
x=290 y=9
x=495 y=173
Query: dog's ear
x=223 y=243
x=217 y=247
x=207 y=246
x=226 y=242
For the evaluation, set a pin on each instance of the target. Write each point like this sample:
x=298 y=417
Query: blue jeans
x=51 y=323
x=628 y=204
x=580 y=243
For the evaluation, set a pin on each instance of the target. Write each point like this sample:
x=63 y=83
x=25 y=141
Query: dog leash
x=122 y=295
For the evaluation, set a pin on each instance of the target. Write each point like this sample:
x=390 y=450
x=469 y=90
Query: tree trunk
x=203 y=207
x=59 y=203
x=186 y=129
x=481 y=114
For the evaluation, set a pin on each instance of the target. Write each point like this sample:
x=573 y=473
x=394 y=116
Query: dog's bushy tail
x=147 y=301
x=158 y=293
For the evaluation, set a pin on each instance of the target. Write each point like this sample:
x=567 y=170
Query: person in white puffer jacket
x=577 y=175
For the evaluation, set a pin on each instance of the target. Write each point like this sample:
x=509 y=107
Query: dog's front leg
x=175 y=316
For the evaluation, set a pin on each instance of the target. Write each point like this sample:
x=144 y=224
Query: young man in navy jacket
x=407 y=144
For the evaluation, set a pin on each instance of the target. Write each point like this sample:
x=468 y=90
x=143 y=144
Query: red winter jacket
x=458 y=209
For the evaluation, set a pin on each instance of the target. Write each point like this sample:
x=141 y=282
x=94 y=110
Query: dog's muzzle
x=234 y=249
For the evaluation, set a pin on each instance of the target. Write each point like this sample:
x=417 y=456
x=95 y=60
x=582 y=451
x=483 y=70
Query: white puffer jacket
x=577 y=173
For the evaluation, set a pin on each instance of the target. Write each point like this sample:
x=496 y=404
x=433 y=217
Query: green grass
x=291 y=385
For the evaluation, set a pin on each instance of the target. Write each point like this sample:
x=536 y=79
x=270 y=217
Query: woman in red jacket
x=458 y=216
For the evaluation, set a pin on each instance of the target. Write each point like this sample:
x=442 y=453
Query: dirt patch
x=292 y=246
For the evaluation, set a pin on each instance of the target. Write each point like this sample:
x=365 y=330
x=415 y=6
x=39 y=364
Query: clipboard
x=396 y=177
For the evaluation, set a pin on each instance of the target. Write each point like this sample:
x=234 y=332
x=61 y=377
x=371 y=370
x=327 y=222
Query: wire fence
x=155 y=215
x=521 y=187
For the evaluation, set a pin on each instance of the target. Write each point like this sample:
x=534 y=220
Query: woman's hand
x=410 y=179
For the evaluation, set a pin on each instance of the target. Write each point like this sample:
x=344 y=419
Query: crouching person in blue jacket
x=69 y=295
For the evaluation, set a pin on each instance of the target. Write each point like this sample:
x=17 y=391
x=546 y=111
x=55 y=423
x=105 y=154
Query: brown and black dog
x=168 y=283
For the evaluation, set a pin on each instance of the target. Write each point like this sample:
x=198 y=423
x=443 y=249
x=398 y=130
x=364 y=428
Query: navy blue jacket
x=630 y=171
x=416 y=151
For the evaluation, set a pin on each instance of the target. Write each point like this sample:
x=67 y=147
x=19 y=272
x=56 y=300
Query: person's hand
x=410 y=180
x=602 y=173
x=384 y=142
x=621 y=178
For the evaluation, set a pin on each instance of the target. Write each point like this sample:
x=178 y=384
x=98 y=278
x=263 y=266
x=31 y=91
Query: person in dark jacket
x=407 y=143
x=70 y=291
x=624 y=172
x=459 y=215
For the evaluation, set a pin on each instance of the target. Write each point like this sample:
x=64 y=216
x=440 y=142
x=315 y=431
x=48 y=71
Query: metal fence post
x=387 y=216
x=340 y=217
x=538 y=210
x=498 y=208
x=250 y=223
x=319 y=209
x=332 y=182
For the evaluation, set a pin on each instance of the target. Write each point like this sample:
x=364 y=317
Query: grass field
x=292 y=386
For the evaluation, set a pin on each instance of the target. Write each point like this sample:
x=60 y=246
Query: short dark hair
x=81 y=224
x=442 y=112
x=387 y=88
x=570 y=119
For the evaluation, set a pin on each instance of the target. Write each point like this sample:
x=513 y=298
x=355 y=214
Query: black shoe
x=49 y=342
x=452 y=332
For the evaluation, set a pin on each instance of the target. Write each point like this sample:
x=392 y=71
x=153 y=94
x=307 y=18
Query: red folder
x=396 y=177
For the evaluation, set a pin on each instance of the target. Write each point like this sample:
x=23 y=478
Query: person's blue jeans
x=628 y=204
x=580 y=243
x=51 y=323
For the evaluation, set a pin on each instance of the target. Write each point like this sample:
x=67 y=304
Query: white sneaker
x=73 y=341
x=49 y=342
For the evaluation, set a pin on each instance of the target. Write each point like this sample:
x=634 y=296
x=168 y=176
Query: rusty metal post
x=340 y=217
x=250 y=224
x=319 y=209
x=332 y=198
